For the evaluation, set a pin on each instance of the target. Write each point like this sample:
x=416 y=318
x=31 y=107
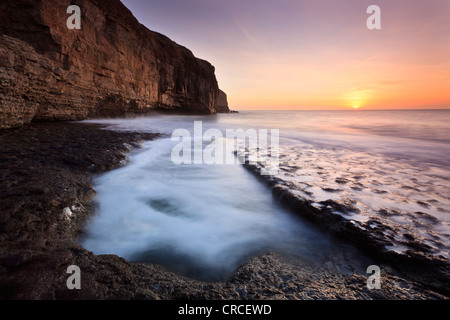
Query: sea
x=175 y=203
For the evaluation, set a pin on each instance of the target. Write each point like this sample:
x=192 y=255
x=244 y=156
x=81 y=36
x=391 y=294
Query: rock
x=67 y=213
x=111 y=67
x=375 y=236
x=222 y=102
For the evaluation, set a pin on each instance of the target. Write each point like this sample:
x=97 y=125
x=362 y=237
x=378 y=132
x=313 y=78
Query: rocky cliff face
x=111 y=66
x=222 y=102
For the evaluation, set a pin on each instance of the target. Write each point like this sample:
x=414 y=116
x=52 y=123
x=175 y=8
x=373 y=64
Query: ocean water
x=204 y=220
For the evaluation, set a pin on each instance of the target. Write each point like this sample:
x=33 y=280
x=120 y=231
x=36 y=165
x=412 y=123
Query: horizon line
x=347 y=109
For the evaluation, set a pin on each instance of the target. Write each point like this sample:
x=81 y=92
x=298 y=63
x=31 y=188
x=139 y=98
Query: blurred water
x=392 y=166
x=205 y=220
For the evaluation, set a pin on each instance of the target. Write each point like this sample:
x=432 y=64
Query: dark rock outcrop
x=112 y=66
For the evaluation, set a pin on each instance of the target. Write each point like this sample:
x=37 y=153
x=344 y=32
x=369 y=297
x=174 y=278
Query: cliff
x=222 y=102
x=112 y=66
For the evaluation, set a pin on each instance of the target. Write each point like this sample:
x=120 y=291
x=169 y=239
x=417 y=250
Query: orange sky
x=298 y=54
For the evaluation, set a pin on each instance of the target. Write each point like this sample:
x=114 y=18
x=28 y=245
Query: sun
x=355 y=107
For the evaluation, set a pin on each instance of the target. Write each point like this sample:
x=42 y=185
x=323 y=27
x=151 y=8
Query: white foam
x=215 y=216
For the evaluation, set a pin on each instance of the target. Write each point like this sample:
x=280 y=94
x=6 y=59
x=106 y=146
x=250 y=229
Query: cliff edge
x=112 y=66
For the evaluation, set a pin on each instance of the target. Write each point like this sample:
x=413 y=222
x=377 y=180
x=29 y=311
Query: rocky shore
x=47 y=197
x=376 y=236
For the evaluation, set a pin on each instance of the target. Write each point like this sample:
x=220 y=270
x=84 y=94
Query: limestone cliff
x=112 y=66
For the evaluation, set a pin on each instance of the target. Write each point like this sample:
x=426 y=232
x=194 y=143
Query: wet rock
x=342 y=180
x=376 y=236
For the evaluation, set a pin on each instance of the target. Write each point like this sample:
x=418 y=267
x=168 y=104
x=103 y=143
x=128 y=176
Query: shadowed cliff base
x=112 y=66
x=46 y=175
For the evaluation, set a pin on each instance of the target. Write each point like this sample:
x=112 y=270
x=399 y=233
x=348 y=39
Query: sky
x=299 y=54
